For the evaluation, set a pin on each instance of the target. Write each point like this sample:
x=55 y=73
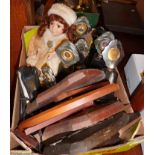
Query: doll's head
x=60 y=18
x=57 y=25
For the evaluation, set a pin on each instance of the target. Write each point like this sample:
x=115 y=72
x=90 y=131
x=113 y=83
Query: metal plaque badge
x=82 y=25
x=68 y=53
x=113 y=54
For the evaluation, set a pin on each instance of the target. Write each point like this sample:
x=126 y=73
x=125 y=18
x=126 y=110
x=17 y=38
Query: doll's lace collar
x=48 y=36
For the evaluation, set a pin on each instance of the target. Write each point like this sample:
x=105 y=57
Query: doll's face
x=56 y=28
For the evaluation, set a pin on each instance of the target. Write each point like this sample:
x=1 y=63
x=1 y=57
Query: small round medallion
x=81 y=28
x=114 y=54
x=67 y=55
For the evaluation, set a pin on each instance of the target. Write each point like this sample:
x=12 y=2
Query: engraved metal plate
x=82 y=25
x=113 y=53
x=81 y=28
x=68 y=53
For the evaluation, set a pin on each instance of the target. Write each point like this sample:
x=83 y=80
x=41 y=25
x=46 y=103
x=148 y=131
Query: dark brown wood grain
x=89 y=138
x=86 y=119
x=48 y=4
x=129 y=22
x=28 y=140
x=137 y=98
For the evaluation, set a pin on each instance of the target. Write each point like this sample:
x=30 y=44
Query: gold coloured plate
x=114 y=54
x=67 y=55
x=81 y=28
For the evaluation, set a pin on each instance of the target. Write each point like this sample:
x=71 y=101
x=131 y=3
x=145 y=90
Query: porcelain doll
x=42 y=47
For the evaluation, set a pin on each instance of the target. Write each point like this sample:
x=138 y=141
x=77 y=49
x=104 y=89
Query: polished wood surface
x=28 y=140
x=140 y=8
x=72 y=93
x=21 y=14
x=75 y=80
x=67 y=108
x=137 y=98
x=48 y=4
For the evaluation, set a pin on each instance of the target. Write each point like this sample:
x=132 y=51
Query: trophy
x=113 y=54
x=111 y=50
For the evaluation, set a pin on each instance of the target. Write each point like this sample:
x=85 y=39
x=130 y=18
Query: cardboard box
x=15 y=141
x=133 y=70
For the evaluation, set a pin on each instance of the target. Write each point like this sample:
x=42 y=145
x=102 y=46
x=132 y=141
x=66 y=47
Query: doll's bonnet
x=63 y=11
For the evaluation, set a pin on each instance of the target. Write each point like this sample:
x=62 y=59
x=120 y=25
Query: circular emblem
x=114 y=54
x=67 y=55
x=81 y=28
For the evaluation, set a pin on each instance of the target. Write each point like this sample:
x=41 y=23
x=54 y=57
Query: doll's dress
x=39 y=47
